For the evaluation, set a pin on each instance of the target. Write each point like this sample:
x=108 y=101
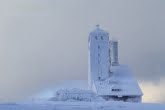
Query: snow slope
x=48 y=105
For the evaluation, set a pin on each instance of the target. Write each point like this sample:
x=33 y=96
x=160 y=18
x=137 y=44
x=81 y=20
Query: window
x=96 y=37
x=98 y=61
x=98 y=46
x=102 y=38
x=116 y=90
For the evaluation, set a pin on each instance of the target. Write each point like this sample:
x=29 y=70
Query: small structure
x=75 y=94
x=114 y=52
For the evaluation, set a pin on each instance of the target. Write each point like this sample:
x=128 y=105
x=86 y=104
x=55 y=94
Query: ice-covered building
x=99 y=52
x=107 y=79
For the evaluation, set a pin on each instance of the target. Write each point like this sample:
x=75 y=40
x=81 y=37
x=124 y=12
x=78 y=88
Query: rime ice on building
x=99 y=65
x=114 y=52
x=107 y=79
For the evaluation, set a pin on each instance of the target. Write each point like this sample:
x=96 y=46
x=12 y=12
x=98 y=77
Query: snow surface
x=48 y=105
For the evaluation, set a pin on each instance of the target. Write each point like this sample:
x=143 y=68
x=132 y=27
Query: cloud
x=26 y=7
x=153 y=92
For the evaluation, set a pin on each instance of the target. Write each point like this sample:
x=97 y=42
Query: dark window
x=116 y=89
x=98 y=55
x=98 y=61
x=98 y=46
x=102 y=38
x=96 y=37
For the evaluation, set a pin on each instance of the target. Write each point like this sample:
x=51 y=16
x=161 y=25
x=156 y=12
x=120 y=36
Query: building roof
x=121 y=83
x=98 y=30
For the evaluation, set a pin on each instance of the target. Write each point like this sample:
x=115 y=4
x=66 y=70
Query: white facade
x=107 y=78
x=98 y=55
x=120 y=86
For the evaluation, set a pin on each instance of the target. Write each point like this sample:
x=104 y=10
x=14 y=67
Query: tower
x=98 y=47
x=114 y=52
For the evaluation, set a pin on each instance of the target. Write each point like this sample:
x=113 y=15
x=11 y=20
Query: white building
x=107 y=79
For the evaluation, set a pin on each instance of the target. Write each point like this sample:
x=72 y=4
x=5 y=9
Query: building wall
x=114 y=53
x=123 y=98
x=98 y=57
